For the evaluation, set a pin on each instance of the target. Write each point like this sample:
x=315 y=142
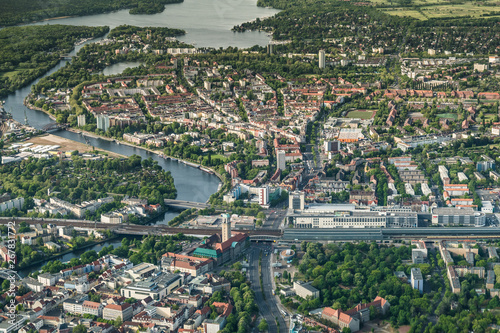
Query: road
x=268 y=308
x=310 y=170
x=274 y=218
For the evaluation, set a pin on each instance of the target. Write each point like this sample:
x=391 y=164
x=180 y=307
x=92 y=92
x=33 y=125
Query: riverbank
x=157 y=152
x=32 y=107
x=120 y=141
x=54 y=18
x=68 y=145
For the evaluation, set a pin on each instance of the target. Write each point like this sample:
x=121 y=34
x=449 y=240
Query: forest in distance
x=28 y=52
x=24 y=11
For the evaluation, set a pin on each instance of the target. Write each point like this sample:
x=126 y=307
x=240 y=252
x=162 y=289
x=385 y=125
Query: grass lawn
x=218 y=157
x=490 y=116
x=403 y=12
x=467 y=9
x=361 y=114
x=448 y=115
x=9 y=75
x=439 y=9
x=413 y=3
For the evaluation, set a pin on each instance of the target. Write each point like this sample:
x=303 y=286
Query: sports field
x=368 y=114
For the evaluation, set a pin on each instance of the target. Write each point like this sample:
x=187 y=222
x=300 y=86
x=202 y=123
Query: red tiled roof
x=227 y=308
x=330 y=312
x=204 y=310
x=239 y=237
x=93 y=305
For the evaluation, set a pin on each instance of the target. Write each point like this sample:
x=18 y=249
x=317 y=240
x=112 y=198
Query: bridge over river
x=185 y=204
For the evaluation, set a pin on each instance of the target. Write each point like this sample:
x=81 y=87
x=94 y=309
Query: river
x=68 y=256
x=119 y=67
x=207 y=24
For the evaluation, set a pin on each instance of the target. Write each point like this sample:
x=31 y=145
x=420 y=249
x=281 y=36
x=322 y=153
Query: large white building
x=417 y=282
x=156 y=288
x=305 y=290
x=346 y=216
x=461 y=176
x=47 y=279
x=102 y=122
x=339 y=220
x=457 y=216
x=264 y=195
x=456 y=190
x=281 y=159
x=92 y=308
x=322 y=60
x=414 y=141
x=487 y=207
x=409 y=189
x=113 y=311
x=425 y=189
x=14 y=203
x=141 y=271
x=86 y=307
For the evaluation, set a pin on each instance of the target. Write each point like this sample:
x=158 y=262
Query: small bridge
x=8 y=274
x=52 y=127
x=264 y=238
x=185 y=204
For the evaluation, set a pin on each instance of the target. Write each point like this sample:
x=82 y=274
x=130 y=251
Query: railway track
x=136 y=229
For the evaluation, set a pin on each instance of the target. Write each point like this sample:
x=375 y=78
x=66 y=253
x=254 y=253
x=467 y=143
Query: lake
x=208 y=23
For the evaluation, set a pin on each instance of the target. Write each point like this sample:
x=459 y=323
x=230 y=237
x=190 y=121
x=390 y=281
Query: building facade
x=226 y=227
x=113 y=311
x=296 y=201
x=417 y=282
x=305 y=290
x=457 y=216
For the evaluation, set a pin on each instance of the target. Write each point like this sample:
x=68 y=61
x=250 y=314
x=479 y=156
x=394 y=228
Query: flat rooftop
x=416 y=273
x=455 y=211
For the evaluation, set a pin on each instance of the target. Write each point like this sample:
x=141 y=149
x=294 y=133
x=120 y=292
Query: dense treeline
x=243 y=299
x=93 y=58
x=353 y=273
x=156 y=34
x=28 y=52
x=22 y=11
x=79 y=180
